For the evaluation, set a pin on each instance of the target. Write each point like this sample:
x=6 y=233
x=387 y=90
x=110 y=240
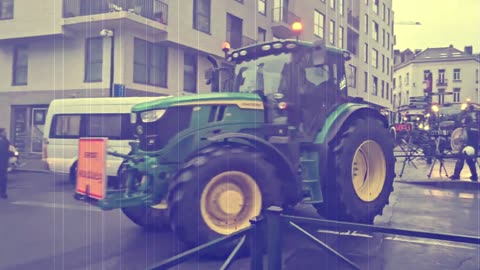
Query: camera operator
x=470 y=124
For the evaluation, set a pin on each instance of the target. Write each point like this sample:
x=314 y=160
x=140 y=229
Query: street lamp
x=110 y=33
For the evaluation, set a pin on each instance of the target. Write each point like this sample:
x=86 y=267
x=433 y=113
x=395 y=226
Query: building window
x=441 y=96
x=262 y=7
x=394 y=100
x=375 y=85
x=94 y=59
x=476 y=75
x=240 y=1
x=332 y=4
x=374 y=58
x=407 y=97
x=383 y=63
x=366 y=24
x=383 y=88
x=375 y=30
x=365 y=53
x=400 y=81
x=340 y=7
x=383 y=37
x=456 y=94
x=375 y=6
x=388 y=16
x=441 y=76
x=407 y=79
x=340 y=37
x=399 y=99
x=387 y=87
x=426 y=74
x=6 y=9
x=234 y=31
x=319 y=24
x=456 y=74
x=365 y=85
x=201 y=15
x=388 y=41
x=383 y=11
x=150 y=63
x=20 y=65
x=388 y=66
x=190 y=67
x=352 y=77
x=394 y=82
x=332 y=32
x=366 y=2
x=261 y=35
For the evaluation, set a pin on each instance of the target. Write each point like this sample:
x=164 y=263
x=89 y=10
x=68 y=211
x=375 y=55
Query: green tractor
x=280 y=131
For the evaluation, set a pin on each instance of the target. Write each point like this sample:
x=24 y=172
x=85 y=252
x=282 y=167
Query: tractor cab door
x=321 y=88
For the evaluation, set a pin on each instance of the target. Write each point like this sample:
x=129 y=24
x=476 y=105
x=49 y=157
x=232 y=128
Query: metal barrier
x=275 y=222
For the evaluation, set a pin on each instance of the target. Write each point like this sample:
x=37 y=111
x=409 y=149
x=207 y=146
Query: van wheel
x=73 y=174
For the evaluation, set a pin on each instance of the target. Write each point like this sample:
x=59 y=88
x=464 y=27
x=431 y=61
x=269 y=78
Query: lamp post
x=110 y=33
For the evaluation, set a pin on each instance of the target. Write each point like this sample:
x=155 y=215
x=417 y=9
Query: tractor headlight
x=426 y=127
x=152 y=116
x=133 y=118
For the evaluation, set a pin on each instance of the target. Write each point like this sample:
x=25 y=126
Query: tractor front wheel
x=218 y=192
x=361 y=180
x=149 y=217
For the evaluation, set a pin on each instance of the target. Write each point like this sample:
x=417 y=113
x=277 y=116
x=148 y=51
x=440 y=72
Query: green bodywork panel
x=339 y=111
x=165 y=103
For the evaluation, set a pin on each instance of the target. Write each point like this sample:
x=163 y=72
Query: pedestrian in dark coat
x=4 y=157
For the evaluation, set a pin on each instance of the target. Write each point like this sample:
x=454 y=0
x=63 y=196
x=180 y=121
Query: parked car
x=70 y=119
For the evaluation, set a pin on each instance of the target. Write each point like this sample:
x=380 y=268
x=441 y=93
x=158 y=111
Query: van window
x=66 y=126
x=104 y=125
x=74 y=126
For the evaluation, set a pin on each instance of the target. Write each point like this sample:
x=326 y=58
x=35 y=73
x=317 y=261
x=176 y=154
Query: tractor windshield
x=261 y=74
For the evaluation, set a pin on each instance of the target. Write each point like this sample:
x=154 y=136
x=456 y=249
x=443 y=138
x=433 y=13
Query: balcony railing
x=282 y=14
x=151 y=9
x=246 y=41
x=353 y=20
x=442 y=82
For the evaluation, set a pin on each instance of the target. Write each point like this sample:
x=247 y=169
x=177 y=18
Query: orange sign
x=92 y=161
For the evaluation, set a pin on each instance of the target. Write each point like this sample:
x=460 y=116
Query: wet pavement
x=43 y=227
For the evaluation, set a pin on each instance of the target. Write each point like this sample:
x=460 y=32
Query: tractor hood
x=243 y=100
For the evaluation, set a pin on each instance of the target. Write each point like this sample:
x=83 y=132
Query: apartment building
x=91 y=48
x=453 y=73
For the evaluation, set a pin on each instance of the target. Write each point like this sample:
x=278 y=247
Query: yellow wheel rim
x=229 y=201
x=368 y=171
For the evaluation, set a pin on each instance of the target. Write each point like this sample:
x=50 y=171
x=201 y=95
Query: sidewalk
x=419 y=175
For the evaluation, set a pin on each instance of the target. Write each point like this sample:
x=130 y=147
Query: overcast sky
x=444 y=22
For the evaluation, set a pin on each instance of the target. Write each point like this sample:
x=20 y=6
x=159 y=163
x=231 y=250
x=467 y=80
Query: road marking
x=57 y=205
x=400 y=239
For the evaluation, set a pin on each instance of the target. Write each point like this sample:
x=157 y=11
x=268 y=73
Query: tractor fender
x=347 y=114
x=286 y=169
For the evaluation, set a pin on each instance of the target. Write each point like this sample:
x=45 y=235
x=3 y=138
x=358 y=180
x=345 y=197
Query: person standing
x=472 y=130
x=4 y=157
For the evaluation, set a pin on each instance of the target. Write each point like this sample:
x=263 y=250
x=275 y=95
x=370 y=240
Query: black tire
x=184 y=199
x=341 y=201
x=148 y=217
x=72 y=177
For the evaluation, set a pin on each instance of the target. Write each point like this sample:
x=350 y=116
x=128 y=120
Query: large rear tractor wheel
x=361 y=180
x=218 y=192
x=149 y=217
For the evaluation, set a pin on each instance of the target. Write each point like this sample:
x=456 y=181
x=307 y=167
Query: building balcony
x=282 y=20
x=76 y=13
x=246 y=41
x=443 y=82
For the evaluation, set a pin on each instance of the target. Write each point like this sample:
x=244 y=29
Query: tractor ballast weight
x=279 y=129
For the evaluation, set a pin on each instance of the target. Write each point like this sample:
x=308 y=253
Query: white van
x=70 y=119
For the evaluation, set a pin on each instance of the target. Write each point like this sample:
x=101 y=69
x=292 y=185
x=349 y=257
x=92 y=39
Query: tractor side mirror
x=209 y=76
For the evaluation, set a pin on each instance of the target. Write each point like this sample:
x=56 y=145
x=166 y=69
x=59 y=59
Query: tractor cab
x=300 y=83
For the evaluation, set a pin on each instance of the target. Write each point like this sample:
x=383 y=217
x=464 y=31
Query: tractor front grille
x=156 y=135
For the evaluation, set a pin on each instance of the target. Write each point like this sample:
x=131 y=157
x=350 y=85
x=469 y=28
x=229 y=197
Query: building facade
x=454 y=75
x=54 y=49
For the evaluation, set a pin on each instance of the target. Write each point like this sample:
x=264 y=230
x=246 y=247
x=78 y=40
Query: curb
x=451 y=184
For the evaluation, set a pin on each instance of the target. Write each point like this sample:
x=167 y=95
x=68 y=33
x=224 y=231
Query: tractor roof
x=276 y=47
